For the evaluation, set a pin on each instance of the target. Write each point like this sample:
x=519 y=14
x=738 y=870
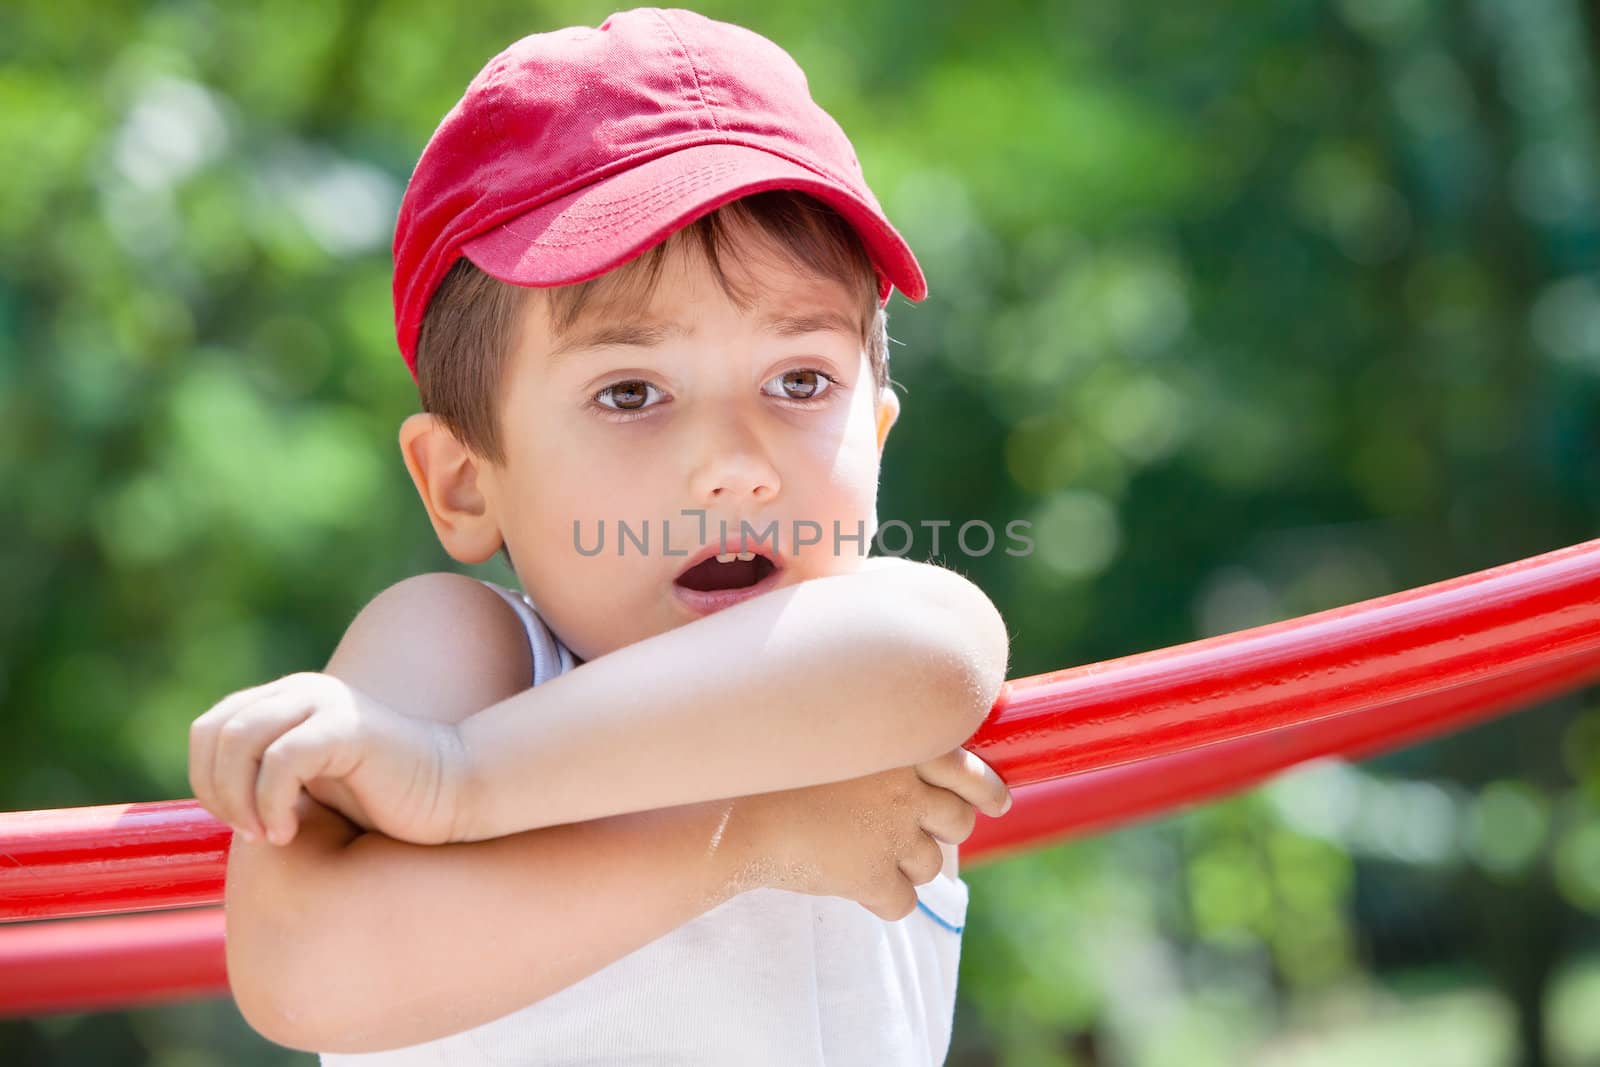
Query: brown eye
x=804 y=384
x=625 y=396
x=807 y=381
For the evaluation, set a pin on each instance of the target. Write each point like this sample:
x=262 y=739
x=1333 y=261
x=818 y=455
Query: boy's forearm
x=348 y=942
x=829 y=679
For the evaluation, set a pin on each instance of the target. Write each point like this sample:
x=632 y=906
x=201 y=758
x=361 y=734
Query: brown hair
x=470 y=326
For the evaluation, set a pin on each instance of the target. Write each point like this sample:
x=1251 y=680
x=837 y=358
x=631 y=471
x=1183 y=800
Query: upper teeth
x=729 y=557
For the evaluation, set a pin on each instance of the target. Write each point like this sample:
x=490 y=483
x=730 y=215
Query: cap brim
x=593 y=229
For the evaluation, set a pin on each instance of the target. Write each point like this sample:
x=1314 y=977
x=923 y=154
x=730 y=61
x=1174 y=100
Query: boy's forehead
x=647 y=330
x=788 y=306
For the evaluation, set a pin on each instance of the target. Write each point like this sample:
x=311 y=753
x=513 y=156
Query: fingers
x=896 y=894
x=968 y=776
x=226 y=744
x=948 y=817
x=304 y=752
x=923 y=862
x=204 y=734
x=244 y=740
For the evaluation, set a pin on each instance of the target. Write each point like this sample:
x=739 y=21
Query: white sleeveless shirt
x=769 y=978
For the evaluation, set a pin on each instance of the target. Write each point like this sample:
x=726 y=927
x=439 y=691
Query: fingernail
x=247 y=835
x=1007 y=806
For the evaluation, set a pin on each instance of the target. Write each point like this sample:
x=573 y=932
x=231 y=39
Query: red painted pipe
x=1525 y=631
x=86 y=966
x=112 y=858
x=1364 y=657
x=1318 y=685
x=111 y=962
x=1135 y=736
x=1091 y=802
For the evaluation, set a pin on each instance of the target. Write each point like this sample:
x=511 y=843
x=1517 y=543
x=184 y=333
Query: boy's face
x=722 y=417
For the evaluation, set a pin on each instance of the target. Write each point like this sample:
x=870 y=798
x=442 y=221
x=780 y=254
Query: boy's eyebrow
x=647 y=333
x=642 y=334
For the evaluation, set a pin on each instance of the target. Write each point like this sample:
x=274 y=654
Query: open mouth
x=710 y=575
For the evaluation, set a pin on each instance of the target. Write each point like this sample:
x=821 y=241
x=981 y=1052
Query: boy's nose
x=733 y=477
x=733 y=466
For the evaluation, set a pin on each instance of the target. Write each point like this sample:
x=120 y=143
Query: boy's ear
x=888 y=411
x=447 y=475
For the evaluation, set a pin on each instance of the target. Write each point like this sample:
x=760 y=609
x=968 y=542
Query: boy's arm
x=825 y=680
x=348 y=942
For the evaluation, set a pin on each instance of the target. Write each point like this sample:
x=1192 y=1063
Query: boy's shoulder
x=437 y=645
x=436 y=600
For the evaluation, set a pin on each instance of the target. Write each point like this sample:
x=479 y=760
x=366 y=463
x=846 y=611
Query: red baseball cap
x=573 y=151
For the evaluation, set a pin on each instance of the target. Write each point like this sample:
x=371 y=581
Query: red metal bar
x=1055 y=811
x=1121 y=740
x=1364 y=657
x=106 y=963
x=1337 y=682
x=112 y=858
x=84 y=967
x=111 y=962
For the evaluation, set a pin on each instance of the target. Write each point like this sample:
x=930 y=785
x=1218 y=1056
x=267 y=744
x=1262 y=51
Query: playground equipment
x=128 y=896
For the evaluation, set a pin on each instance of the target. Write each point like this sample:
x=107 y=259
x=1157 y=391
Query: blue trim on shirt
x=941 y=922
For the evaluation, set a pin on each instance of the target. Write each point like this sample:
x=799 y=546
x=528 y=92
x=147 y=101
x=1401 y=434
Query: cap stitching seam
x=630 y=162
x=636 y=208
x=625 y=205
x=693 y=72
x=639 y=205
x=630 y=207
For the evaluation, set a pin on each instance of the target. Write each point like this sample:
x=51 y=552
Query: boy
x=640 y=281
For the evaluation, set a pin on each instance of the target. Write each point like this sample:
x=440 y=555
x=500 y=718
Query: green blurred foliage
x=1253 y=309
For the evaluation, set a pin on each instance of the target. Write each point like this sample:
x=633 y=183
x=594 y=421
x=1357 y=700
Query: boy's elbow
x=980 y=668
x=282 y=925
x=261 y=979
x=271 y=1017
x=292 y=994
x=960 y=651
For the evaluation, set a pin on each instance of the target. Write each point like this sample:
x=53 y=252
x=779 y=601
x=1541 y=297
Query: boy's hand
x=871 y=839
x=251 y=753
